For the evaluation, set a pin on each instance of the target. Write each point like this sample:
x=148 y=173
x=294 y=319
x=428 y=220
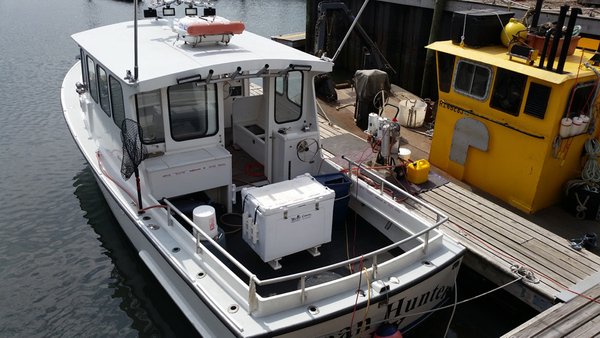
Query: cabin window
x=82 y=59
x=279 y=86
x=116 y=100
x=472 y=79
x=193 y=111
x=91 y=66
x=288 y=97
x=580 y=99
x=150 y=117
x=445 y=70
x=537 y=100
x=509 y=88
x=103 y=90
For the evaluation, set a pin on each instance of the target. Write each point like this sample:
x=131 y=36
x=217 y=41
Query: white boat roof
x=162 y=58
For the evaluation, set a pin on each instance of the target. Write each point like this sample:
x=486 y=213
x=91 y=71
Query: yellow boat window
x=508 y=91
x=445 y=70
x=580 y=99
x=472 y=79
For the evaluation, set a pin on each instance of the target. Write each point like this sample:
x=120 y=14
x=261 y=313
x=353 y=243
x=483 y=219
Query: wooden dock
x=579 y=317
x=502 y=245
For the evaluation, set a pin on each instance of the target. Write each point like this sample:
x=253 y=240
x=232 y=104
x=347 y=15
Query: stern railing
x=254 y=281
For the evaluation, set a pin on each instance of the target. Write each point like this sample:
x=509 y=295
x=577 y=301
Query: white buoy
x=565 y=127
x=585 y=122
x=204 y=217
x=577 y=126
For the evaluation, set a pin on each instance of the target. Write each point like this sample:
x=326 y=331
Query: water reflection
x=142 y=298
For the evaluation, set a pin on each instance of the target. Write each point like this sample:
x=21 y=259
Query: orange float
x=215 y=28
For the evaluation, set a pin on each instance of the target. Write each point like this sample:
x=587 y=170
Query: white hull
x=426 y=294
x=403 y=264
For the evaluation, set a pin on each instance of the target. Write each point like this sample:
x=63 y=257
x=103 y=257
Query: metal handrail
x=384 y=182
x=199 y=246
x=254 y=280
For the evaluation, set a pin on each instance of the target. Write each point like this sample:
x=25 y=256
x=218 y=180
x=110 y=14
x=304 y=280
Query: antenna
x=135 y=43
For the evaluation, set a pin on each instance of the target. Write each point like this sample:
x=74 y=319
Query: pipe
x=337 y=52
x=429 y=73
x=557 y=35
x=536 y=13
x=575 y=11
x=545 y=48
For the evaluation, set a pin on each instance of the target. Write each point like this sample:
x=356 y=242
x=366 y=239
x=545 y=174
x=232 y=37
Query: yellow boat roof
x=497 y=56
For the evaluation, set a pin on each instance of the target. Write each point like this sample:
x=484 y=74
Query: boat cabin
x=512 y=125
x=194 y=119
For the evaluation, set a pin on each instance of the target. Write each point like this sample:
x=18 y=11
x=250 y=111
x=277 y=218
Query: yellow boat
x=511 y=127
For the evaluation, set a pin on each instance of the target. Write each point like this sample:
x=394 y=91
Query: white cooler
x=287 y=217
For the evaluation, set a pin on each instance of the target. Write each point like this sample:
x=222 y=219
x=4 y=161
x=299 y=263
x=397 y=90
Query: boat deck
x=499 y=238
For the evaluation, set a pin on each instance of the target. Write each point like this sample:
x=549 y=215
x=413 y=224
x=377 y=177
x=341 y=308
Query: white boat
x=250 y=230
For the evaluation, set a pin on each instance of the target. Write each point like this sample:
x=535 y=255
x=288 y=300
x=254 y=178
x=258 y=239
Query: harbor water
x=66 y=268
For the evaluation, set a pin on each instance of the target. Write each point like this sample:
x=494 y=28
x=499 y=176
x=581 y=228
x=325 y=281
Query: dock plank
x=589 y=329
x=487 y=250
x=563 y=319
x=559 y=257
x=507 y=251
x=582 y=257
x=476 y=212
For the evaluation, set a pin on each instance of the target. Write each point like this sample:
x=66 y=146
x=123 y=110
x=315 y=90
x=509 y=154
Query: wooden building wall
x=400 y=32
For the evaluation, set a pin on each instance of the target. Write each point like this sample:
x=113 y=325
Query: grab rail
x=254 y=280
x=384 y=183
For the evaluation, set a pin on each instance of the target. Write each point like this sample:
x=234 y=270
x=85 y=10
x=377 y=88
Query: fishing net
x=133 y=150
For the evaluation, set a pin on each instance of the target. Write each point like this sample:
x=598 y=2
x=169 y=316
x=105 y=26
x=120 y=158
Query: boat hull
x=179 y=288
x=399 y=307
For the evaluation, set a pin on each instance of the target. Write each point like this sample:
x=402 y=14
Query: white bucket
x=412 y=113
x=204 y=217
x=404 y=153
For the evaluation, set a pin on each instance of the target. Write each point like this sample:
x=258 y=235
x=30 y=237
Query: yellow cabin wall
x=516 y=168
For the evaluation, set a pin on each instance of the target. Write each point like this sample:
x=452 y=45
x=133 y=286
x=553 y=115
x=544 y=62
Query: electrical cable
x=454 y=307
x=455 y=304
x=364 y=321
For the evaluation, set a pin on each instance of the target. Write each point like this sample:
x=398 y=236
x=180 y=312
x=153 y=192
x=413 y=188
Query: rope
x=526 y=274
x=357 y=293
x=581 y=207
x=364 y=321
x=591 y=169
x=454 y=304
x=454 y=307
x=550 y=279
x=462 y=37
x=593 y=106
x=508 y=38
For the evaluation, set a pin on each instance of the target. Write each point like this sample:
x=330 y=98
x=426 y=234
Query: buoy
x=565 y=127
x=387 y=331
x=513 y=28
x=585 y=121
